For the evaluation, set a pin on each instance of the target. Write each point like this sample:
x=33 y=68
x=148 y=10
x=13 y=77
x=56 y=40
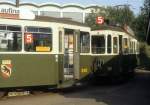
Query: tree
x=141 y=22
x=139 y=25
x=91 y=19
x=113 y=16
x=121 y=14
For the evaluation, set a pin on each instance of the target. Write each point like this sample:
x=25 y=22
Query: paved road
x=134 y=92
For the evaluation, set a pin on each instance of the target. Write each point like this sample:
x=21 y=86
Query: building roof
x=37 y=5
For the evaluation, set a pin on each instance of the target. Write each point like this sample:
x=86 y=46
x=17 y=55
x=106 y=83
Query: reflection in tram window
x=85 y=42
x=98 y=44
x=115 y=45
x=10 y=38
x=125 y=45
x=38 y=39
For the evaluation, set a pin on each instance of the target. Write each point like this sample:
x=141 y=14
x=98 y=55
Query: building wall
x=75 y=12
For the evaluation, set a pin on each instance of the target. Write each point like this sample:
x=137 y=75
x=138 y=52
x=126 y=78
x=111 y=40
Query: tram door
x=70 y=56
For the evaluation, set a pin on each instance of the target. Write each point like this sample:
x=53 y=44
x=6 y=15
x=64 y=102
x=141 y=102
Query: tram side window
x=84 y=42
x=130 y=48
x=98 y=44
x=137 y=47
x=125 y=45
x=115 y=45
x=60 y=41
x=109 y=44
x=133 y=47
x=38 y=39
x=10 y=38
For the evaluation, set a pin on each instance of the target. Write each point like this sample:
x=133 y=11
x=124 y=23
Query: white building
x=74 y=11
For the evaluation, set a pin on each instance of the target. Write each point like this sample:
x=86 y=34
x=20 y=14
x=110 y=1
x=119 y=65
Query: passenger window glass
x=84 y=42
x=38 y=41
x=133 y=47
x=10 y=38
x=98 y=44
x=125 y=45
x=60 y=41
x=130 y=48
x=115 y=45
x=109 y=44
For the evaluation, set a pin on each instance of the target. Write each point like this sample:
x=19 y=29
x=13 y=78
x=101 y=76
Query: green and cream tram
x=43 y=52
x=113 y=52
x=57 y=53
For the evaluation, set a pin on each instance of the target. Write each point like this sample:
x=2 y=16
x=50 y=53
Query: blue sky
x=135 y=4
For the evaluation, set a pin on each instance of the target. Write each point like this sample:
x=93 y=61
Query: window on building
x=98 y=44
x=35 y=12
x=38 y=39
x=84 y=42
x=115 y=45
x=109 y=44
x=50 y=13
x=10 y=38
x=76 y=16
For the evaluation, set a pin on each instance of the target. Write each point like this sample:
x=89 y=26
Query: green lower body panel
x=107 y=65
x=20 y=70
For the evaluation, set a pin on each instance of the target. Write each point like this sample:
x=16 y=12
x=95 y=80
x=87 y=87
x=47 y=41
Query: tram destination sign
x=100 y=20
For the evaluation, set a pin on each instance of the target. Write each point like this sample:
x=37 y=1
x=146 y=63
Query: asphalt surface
x=133 y=92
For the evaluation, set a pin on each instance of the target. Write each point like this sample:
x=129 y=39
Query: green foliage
x=91 y=20
x=139 y=27
x=141 y=22
x=120 y=15
x=113 y=15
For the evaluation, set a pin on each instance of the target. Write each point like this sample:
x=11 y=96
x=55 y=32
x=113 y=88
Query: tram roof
x=59 y=20
x=113 y=28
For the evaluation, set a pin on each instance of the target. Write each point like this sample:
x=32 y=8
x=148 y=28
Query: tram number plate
x=28 y=38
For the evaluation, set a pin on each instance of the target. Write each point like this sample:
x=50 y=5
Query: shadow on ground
x=133 y=92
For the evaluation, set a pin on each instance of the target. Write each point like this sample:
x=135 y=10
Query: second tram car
x=113 y=52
